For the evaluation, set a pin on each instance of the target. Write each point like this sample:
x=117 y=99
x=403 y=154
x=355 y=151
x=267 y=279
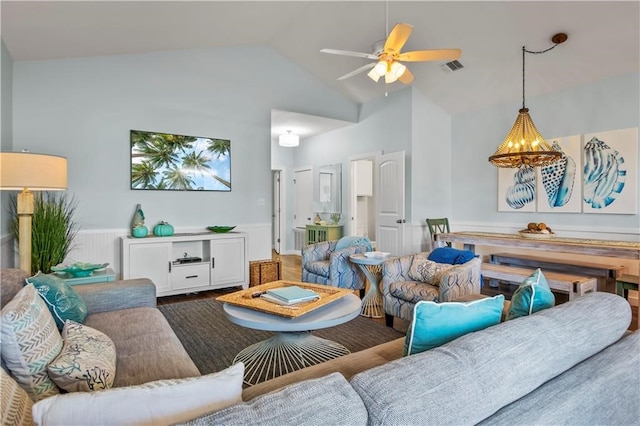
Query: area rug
x=212 y=341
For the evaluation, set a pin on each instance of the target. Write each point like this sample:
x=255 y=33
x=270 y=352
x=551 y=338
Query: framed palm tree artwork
x=164 y=161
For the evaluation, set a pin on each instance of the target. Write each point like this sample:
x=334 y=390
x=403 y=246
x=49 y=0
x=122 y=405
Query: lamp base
x=25 y=214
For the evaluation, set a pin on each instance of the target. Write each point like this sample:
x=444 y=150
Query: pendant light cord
x=535 y=52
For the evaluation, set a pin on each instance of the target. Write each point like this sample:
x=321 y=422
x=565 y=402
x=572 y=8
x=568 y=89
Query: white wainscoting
x=102 y=246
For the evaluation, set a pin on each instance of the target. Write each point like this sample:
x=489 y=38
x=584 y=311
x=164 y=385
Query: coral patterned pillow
x=427 y=271
x=87 y=361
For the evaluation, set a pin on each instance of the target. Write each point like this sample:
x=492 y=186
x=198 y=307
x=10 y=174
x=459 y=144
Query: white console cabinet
x=222 y=261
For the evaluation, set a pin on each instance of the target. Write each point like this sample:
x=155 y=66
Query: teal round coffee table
x=293 y=347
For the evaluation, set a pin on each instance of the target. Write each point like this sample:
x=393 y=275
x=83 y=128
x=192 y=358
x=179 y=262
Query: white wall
x=606 y=105
x=84 y=109
x=6 y=144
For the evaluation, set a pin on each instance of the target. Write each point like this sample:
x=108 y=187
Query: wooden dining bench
x=573 y=285
x=606 y=273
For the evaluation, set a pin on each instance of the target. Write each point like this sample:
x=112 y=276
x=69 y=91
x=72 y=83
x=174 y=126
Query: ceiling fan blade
x=430 y=55
x=349 y=53
x=407 y=77
x=358 y=71
x=397 y=38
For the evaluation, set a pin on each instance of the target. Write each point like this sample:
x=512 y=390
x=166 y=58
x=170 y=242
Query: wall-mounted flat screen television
x=164 y=161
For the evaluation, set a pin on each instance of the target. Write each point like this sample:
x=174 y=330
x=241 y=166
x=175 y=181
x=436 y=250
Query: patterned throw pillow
x=16 y=404
x=427 y=271
x=62 y=300
x=87 y=361
x=30 y=341
x=531 y=296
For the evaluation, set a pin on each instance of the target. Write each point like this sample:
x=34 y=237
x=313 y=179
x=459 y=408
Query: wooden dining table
x=583 y=246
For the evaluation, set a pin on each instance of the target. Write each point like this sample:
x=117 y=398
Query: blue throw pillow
x=61 y=299
x=531 y=296
x=350 y=241
x=434 y=324
x=451 y=255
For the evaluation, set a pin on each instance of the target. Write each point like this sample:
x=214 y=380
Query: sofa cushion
x=144 y=342
x=531 y=296
x=478 y=368
x=63 y=302
x=12 y=282
x=435 y=324
x=161 y=402
x=30 y=341
x=15 y=404
x=427 y=271
x=87 y=361
x=412 y=291
x=598 y=391
x=328 y=400
x=451 y=255
x=319 y=267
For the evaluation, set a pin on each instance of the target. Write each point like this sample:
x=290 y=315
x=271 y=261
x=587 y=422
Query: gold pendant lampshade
x=524 y=145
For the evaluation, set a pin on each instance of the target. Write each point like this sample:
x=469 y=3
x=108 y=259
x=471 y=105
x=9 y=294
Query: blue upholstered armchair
x=406 y=280
x=328 y=263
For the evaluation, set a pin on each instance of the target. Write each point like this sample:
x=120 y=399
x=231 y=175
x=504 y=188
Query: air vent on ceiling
x=452 y=66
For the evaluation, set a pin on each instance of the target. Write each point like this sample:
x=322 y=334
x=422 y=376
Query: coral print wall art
x=610 y=172
x=163 y=161
x=517 y=189
x=559 y=185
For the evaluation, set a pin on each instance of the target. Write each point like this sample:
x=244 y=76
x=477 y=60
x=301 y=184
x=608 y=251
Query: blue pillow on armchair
x=451 y=255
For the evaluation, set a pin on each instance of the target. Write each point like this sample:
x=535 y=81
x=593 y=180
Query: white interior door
x=302 y=196
x=390 y=203
x=277 y=211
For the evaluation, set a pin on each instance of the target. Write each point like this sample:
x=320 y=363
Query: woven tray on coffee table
x=244 y=298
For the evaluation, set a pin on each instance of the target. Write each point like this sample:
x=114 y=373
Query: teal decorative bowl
x=78 y=269
x=220 y=229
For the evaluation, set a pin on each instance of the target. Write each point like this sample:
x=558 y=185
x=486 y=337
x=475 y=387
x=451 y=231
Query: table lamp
x=28 y=172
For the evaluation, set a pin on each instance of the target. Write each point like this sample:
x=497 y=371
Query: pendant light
x=524 y=145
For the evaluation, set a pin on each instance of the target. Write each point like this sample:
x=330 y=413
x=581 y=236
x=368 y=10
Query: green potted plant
x=53 y=228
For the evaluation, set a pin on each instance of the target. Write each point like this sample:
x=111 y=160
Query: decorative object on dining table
x=536 y=230
x=250 y=298
x=163 y=229
x=317 y=220
x=79 y=269
x=220 y=229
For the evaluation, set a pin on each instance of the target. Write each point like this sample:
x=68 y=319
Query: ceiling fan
x=388 y=56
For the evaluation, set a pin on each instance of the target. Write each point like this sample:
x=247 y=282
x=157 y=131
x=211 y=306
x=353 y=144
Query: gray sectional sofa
x=573 y=364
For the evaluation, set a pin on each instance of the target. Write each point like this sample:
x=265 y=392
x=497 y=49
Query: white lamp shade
x=20 y=170
x=289 y=140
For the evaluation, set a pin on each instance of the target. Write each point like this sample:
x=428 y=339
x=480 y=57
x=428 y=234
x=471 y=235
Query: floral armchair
x=406 y=280
x=328 y=263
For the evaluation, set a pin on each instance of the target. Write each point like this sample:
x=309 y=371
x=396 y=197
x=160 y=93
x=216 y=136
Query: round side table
x=372 y=269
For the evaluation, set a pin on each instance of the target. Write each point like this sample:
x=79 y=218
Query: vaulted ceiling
x=604 y=39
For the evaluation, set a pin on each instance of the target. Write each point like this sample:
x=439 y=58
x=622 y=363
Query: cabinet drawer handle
x=213 y=263
x=192 y=276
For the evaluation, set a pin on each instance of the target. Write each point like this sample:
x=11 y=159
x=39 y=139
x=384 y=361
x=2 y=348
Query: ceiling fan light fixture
x=398 y=69
x=289 y=140
x=378 y=71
